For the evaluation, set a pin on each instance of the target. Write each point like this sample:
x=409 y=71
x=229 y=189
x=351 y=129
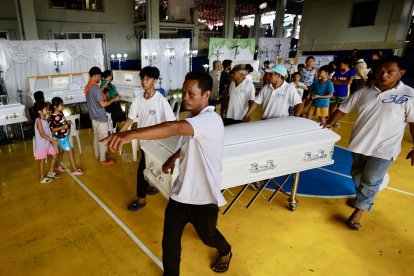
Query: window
x=78 y=35
x=73 y=35
x=86 y=36
x=88 y=5
x=4 y=35
x=364 y=13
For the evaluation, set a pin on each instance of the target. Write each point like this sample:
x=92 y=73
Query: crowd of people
x=383 y=102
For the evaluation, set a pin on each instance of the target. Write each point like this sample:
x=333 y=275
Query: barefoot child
x=44 y=143
x=60 y=129
x=322 y=90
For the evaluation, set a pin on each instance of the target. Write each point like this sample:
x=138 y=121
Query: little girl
x=44 y=143
x=60 y=129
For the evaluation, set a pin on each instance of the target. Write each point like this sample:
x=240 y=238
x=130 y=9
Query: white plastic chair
x=74 y=129
x=111 y=129
x=176 y=103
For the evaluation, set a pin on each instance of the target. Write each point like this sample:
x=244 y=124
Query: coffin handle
x=319 y=155
x=159 y=177
x=256 y=167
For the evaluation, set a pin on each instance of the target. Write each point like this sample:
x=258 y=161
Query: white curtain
x=172 y=70
x=271 y=48
x=22 y=59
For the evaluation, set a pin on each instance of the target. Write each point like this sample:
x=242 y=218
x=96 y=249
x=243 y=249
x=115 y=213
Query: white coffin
x=128 y=84
x=11 y=111
x=69 y=87
x=255 y=151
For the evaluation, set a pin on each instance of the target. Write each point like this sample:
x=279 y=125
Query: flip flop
x=78 y=172
x=221 y=267
x=354 y=225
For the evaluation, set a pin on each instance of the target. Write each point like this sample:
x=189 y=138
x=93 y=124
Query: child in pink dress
x=44 y=143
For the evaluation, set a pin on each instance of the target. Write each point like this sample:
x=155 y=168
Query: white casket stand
x=254 y=152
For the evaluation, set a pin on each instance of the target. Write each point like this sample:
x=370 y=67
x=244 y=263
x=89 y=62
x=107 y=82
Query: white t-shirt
x=299 y=88
x=239 y=99
x=201 y=157
x=382 y=117
x=150 y=112
x=276 y=102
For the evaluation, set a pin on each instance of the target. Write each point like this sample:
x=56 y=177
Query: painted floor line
x=400 y=191
x=337 y=173
x=118 y=221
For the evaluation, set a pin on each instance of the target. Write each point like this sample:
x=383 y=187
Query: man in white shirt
x=277 y=96
x=242 y=94
x=147 y=109
x=383 y=112
x=215 y=75
x=195 y=197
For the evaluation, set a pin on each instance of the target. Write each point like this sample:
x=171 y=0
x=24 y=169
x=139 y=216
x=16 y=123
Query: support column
x=295 y=26
x=196 y=30
x=229 y=11
x=257 y=20
x=27 y=19
x=280 y=18
x=153 y=19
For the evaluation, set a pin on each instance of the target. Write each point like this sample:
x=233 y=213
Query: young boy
x=342 y=80
x=147 y=109
x=96 y=102
x=322 y=90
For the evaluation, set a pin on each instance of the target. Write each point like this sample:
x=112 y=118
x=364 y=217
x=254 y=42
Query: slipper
x=221 y=267
x=354 y=225
x=59 y=169
x=108 y=162
x=78 y=172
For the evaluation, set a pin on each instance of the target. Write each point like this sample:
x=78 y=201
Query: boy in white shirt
x=383 y=112
x=195 y=197
x=147 y=109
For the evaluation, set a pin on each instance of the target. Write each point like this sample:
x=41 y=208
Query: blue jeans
x=367 y=173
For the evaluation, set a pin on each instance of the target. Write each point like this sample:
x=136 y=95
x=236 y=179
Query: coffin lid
x=267 y=129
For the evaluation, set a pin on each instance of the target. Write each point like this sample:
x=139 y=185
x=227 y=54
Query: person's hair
x=106 y=74
x=95 y=71
x=216 y=63
x=310 y=57
x=345 y=60
x=294 y=75
x=332 y=63
x=377 y=52
x=240 y=67
x=249 y=68
x=56 y=101
x=266 y=62
x=301 y=65
x=38 y=106
x=205 y=82
x=326 y=68
x=149 y=72
x=39 y=96
x=226 y=63
x=399 y=60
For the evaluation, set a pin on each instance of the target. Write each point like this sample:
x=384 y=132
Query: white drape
x=173 y=73
x=22 y=59
x=269 y=47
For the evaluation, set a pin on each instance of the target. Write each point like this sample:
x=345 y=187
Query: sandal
x=78 y=172
x=354 y=225
x=221 y=266
x=53 y=175
x=59 y=169
x=46 y=180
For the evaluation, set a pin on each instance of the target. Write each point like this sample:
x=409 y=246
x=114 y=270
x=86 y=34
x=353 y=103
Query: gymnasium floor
x=61 y=229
